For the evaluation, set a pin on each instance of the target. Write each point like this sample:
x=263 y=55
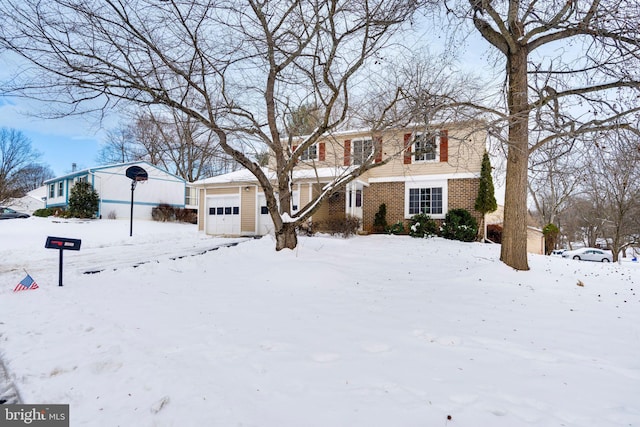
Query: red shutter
x=407 y=149
x=347 y=152
x=377 y=146
x=444 y=145
x=321 y=152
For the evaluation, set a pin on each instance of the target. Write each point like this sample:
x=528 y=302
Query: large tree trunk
x=286 y=237
x=514 y=235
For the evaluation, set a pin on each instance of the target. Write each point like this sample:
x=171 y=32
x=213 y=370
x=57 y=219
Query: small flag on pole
x=26 y=284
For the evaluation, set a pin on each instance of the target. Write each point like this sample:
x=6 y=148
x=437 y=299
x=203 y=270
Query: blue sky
x=61 y=141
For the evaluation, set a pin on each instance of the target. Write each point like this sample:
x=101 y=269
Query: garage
x=223 y=215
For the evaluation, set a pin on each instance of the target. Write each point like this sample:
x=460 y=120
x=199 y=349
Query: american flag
x=26 y=283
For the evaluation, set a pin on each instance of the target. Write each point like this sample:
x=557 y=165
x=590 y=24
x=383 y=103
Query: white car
x=589 y=254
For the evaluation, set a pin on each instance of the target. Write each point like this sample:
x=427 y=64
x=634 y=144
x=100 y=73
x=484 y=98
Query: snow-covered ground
x=367 y=331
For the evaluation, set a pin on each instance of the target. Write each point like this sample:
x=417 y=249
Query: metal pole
x=60 y=269
x=133 y=187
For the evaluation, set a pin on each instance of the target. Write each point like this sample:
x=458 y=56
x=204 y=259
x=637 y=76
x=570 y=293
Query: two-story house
x=428 y=171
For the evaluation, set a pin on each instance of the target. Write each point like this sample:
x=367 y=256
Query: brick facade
x=461 y=194
x=389 y=193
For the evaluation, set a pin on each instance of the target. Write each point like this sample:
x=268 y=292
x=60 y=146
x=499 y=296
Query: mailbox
x=63 y=243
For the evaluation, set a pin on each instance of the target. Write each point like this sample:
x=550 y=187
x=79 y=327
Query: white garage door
x=223 y=215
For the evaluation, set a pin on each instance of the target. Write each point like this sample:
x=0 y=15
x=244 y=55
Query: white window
x=362 y=150
x=52 y=191
x=191 y=196
x=428 y=197
x=60 y=188
x=425 y=147
x=310 y=153
x=425 y=200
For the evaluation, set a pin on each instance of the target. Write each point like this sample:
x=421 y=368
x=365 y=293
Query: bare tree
x=32 y=176
x=571 y=68
x=181 y=145
x=583 y=221
x=119 y=146
x=554 y=177
x=614 y=186
x=236 y=67
x=16 y=154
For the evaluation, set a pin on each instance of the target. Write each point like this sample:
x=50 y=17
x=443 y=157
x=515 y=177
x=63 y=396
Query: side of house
x=535 y=236
x=428 y=171
x=114 y=190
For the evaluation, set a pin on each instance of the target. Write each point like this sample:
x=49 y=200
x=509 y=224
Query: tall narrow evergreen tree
x=486 y=199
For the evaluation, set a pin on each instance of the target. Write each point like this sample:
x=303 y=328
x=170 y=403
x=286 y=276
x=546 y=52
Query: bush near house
x=397 y=228
x=551 y=232
x=44 y=212
x=422 y=226
x=459 y=224
x=167 y=213
x=380 y=220
x=47 y=212
x=346 y=227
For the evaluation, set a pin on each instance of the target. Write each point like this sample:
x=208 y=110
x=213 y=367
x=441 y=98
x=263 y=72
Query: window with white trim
x=60 y=188
x=52 y=191
x=310 y=153
x=425 y=147
x=429 y=197
x=362 y=150
x=425 y=200
x=191 y=196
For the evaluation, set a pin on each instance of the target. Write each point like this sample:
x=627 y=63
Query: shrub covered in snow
x=459 y=224
x=421 y=225
x=397 y=228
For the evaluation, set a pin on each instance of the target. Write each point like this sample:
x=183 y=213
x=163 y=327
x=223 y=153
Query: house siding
x=464 y=152
x=248 y=199
x=201 y=209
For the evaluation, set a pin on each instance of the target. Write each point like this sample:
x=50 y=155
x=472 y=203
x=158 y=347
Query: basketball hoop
x=136 y=174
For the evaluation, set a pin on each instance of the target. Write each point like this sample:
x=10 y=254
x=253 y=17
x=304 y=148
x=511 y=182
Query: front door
x=354 y=200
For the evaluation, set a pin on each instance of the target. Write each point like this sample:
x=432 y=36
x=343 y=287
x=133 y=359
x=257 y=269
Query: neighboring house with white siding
x=114 y=190
x=32 y=201
x=437 y=170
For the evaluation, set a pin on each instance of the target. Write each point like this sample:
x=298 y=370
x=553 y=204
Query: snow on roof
x=244 y=175
x=86 y=171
